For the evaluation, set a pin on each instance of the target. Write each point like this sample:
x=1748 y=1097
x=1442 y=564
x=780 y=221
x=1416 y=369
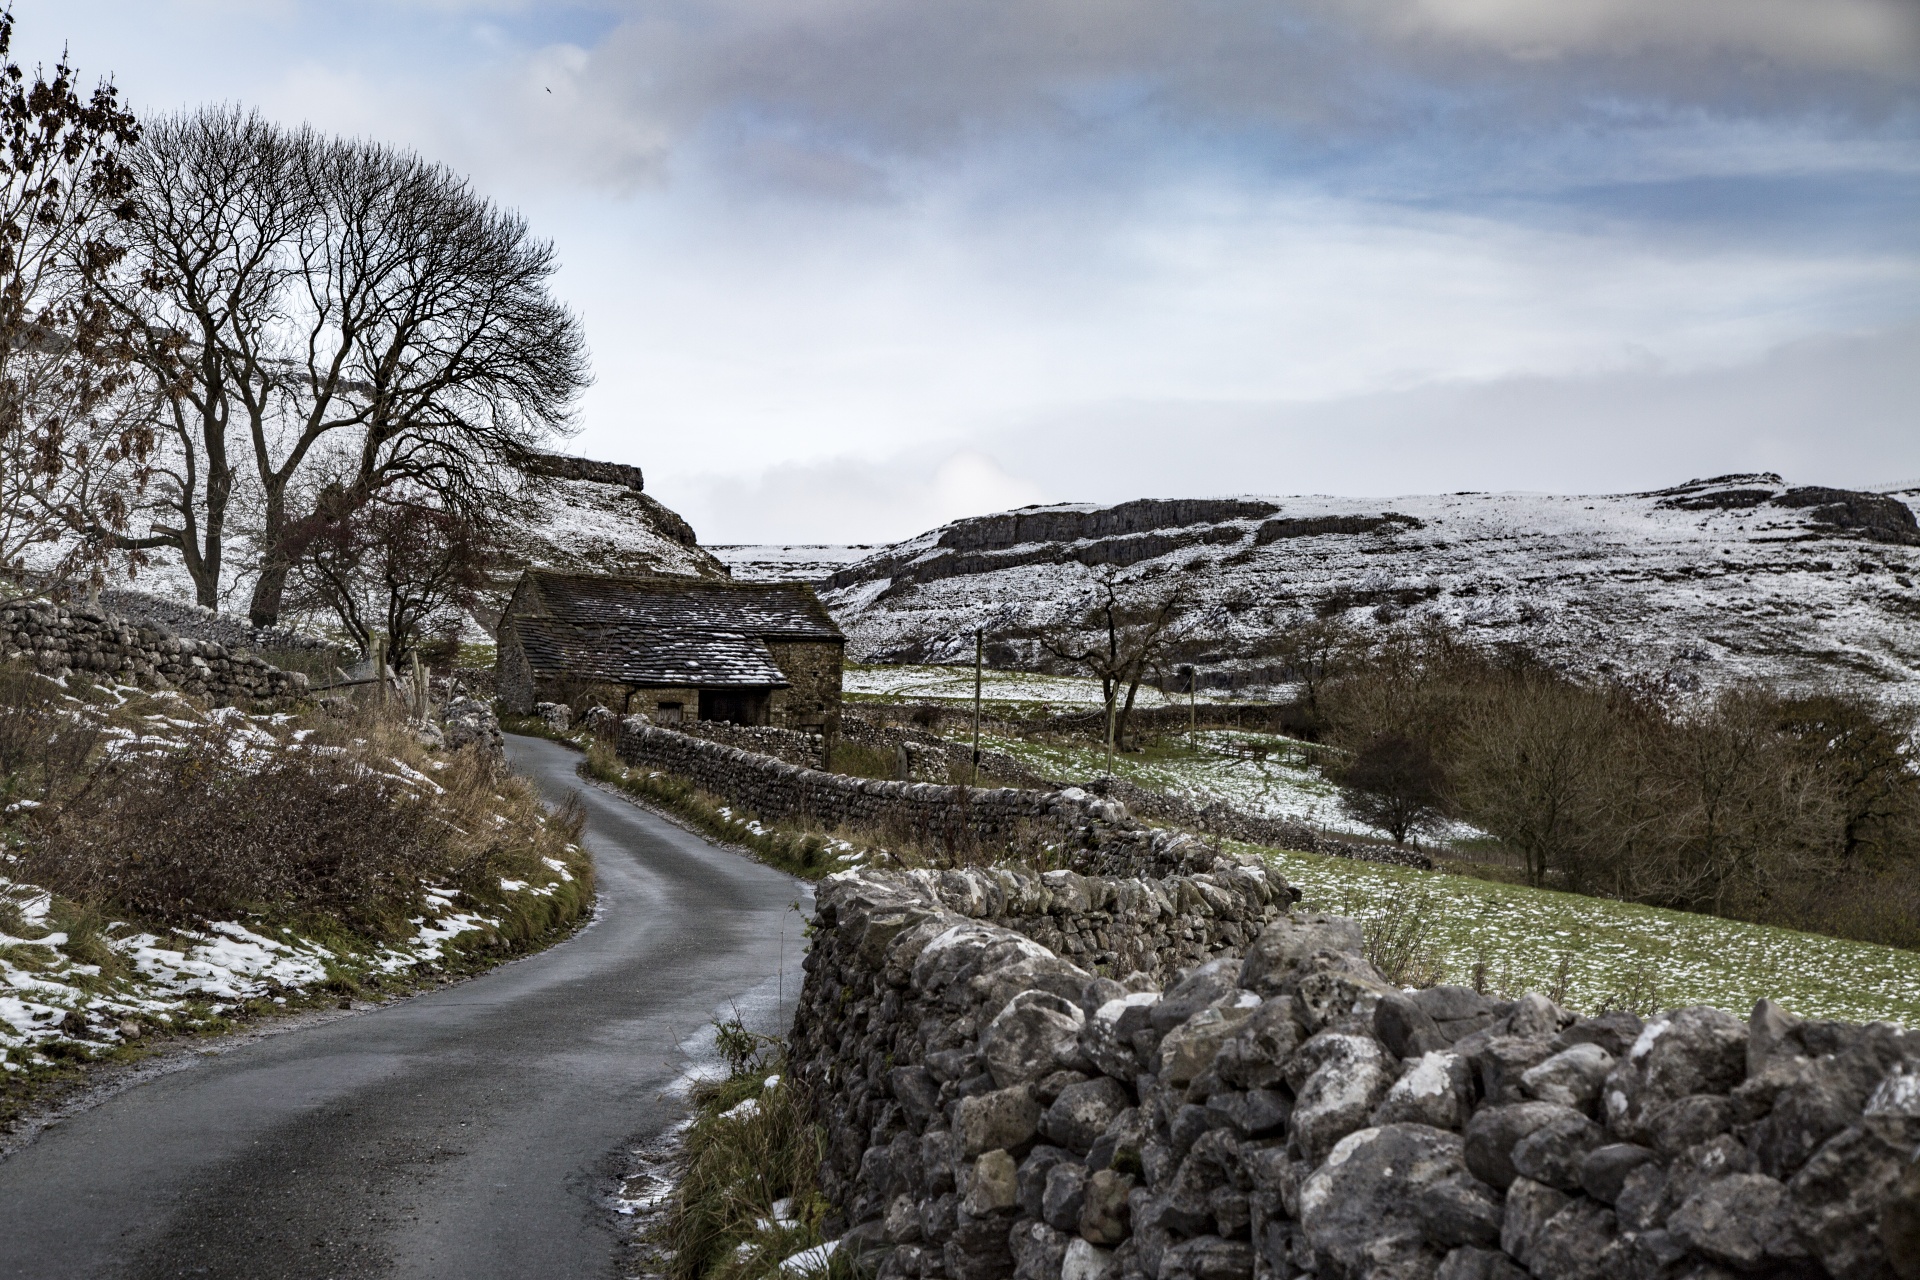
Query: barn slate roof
x=638 y=654
x=770 y=611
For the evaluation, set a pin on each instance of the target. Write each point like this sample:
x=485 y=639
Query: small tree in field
x=1393 y=784
x=1129 y=641
x=399 y=563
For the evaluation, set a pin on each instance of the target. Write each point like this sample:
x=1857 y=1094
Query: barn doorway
x=735 y=706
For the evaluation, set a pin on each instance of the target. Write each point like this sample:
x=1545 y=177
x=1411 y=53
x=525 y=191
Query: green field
x=1588 y=952
x=1596 y=950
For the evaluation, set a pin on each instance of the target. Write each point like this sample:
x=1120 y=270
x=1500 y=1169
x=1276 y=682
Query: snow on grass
x=955 y=683
x=1596 y=949
x=190 y=976
x=1257 y=773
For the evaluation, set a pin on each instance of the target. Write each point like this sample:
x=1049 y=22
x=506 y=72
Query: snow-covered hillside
x=1711 y=582
x=574 y=513
x=599 y=526
x=797 y=562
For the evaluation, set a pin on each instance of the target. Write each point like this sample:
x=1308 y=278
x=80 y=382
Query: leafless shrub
x=181 y=834
x=1400 y=943
x=1793 y=810
x=214 y=815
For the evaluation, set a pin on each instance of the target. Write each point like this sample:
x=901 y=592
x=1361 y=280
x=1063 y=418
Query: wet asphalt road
x=473 y=1132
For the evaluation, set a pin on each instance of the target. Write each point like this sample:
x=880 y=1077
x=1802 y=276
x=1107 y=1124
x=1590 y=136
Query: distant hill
x=1710 y=582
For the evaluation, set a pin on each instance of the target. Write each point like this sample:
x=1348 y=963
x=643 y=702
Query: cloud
x=846 y=499
x=1834 y=410
x=1877 y=36
x=941 y=73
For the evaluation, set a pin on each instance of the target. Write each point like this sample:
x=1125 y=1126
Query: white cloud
x=1868 y=35
x=846 y=499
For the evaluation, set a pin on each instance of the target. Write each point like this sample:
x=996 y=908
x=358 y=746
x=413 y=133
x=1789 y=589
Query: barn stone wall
x=812 y=698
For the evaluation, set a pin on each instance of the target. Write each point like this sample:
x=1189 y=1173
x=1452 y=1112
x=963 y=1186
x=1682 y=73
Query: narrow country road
x=472 y=1132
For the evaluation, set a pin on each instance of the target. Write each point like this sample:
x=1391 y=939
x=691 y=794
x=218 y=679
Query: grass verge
x=792 y=847
x=748 y=1198
x=169 y=873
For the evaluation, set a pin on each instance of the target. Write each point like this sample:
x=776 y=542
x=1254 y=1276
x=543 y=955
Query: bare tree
x=1119 y=644
x=1529 y=769
x=1314 y=652
x=400 y=561
x=74 y=440
x=336 y=313
x=219 y=205
x=1394 y=784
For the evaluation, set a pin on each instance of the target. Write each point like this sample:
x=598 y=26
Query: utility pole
x=978 y=646
x=1193 y=706
x=1113 y=700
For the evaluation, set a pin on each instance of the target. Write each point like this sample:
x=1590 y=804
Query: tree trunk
x=271 y=586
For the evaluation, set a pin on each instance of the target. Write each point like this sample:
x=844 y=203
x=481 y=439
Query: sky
x=853 y=268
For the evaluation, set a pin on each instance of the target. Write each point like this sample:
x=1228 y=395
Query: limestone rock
x=1494 y=1132
x=1406 y=1029
x=1083 y=1261
x=1255 y=1055
x=1572 y=1077
x=995 y=1185
x=1189 y=1049
x=1838 y=1197
x=1553 y=1153
x=1288 y=940
x=1213 y=981
x=1034 y=1171
x=1604 y=1170
x=1743 y=1221
x=1529 y=1207
x=1900 y=1224
x=1065 y=1196
x=1038 y=1251
x=1471 y=1263
x=1251 y=1113
x=1004 y=1119
x=1340 y=1095
x=1082 y=1112
x=1208 y=1258
x=1035 y=1034
x=1691 y=1050
x=1435 y=1089
x=1688 y=1122
x=1104 y=1213
x=1580 y=1242
x=1108 y=1038
x=1399 y=1194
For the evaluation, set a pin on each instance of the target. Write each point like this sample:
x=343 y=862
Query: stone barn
x=674 y=649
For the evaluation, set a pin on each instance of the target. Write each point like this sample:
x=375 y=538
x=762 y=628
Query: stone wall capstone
x=994 y=1111
x=56 y=640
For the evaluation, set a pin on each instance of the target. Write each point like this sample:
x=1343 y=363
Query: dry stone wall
x=1145 y=928
x=794 y=746
x=994 y=1110
x=1092 y=834
x=57 y=640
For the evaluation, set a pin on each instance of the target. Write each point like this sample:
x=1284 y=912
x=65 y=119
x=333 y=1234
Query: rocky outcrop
x=562 y=466
x=58 y=640
x=993 y=1109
